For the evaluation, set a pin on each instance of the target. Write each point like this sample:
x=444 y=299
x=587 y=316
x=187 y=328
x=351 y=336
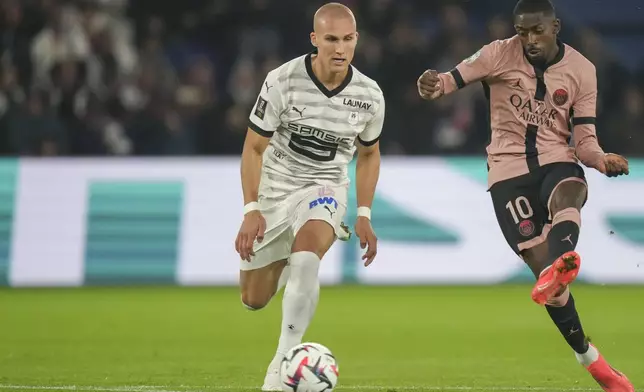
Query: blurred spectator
x=624 y=131
x=34 y=129
x=499 y=27
x=62 y=39
x=123 y=77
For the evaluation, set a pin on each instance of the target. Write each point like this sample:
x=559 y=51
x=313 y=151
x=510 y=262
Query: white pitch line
x=184 y=388
x=83 y=388
x=462 y=388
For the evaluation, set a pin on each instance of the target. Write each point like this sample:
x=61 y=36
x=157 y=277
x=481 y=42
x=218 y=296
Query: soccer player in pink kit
x=540 y=90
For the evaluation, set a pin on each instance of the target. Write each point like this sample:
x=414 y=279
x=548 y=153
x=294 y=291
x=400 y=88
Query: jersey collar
x=558 y=57
x=320 y=85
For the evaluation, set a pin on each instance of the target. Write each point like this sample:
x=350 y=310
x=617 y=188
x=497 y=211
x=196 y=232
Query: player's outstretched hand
x=368 y=239
x=252 y=227
x=428 y=84
x=614 y=165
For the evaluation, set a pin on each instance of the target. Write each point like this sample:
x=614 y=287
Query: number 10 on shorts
x=520 y=207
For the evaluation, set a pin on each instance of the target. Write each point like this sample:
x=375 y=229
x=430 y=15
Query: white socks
x=300 y=299
x=286 y=273
x=588 y=357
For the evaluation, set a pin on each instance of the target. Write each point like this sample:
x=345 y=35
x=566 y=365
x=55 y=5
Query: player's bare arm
x=367 y=173
x=253 y=225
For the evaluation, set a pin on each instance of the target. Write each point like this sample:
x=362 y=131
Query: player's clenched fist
x=252 y=227
x=614 y=165
x=429 y=84
x=368 y=239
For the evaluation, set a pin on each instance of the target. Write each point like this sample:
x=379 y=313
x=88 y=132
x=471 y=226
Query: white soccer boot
x=344 y=233
x=272 y=380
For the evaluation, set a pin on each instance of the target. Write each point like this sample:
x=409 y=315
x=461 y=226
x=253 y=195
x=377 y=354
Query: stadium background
x=121 y=125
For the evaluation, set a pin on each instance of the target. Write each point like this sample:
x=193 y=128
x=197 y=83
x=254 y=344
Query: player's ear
x=556 y=25
x=314 y=40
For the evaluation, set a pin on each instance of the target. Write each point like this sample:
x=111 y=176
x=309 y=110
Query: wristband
x=364 y=211
x=252 y=206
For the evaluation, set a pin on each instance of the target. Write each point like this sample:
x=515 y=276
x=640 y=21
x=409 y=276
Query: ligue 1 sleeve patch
x=473 y=57
x=260 y=109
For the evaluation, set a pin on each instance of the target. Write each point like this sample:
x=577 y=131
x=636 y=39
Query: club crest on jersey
x=353 y=118
x=560 y=97
x=326 y=191
x=356 y=104
x=526 y=228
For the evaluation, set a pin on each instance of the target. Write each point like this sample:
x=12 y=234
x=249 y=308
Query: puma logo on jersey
x=356 y=104
x=330 y=212
x=300 y=112
x=267 y=86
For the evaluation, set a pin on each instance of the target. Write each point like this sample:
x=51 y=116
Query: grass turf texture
x=385 y=338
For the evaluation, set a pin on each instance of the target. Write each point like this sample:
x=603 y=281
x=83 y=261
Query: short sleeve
x=371 y=133
x=265 y=115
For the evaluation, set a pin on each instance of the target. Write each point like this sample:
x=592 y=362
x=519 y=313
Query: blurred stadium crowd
x=144 y=77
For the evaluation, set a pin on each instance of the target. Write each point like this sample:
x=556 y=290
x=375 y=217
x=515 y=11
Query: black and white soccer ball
x=309 y=367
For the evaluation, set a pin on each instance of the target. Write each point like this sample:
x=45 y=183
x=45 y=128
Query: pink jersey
x=531 y=109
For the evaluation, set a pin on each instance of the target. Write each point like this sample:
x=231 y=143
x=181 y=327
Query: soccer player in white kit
x=311 y=116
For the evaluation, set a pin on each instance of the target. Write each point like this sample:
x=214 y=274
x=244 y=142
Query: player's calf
x=561 y=305
x=565 y=205
x=302 y=291
x=563 y=313
x=260 y=285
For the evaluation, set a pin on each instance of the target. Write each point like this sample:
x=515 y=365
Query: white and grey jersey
x=313 y=130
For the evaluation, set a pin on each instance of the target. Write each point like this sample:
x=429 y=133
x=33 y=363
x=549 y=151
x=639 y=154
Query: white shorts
x=286 y=216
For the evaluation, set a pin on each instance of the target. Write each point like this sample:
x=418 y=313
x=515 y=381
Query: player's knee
x=560 y=300
x=569 y=194
x=315 y=236
x=571 y=214
x=253 y=301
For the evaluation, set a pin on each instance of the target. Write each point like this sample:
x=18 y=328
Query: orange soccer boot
x=554 y=279
x=610 y=379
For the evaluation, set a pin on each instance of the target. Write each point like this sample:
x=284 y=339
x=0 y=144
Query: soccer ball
x=309 y=367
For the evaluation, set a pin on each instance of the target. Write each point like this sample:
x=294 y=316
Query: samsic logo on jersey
x=305 y=130
x=533 y=111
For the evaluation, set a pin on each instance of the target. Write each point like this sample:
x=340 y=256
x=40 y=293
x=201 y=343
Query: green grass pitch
x=168 y=339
